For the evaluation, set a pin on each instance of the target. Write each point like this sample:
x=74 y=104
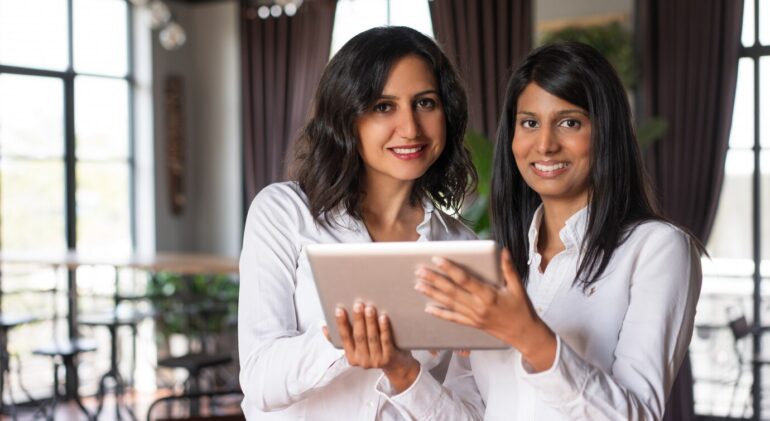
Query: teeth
x=407 y=150
x=554 y=167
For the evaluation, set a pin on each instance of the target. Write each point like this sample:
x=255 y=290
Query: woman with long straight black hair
x=600 y=291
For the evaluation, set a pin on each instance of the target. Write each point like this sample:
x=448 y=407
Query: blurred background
x=135 y=133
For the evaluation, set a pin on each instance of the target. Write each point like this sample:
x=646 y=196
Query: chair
x=195 y=362
x=112 y=321
x=64 y=353
x=8 y=322
x=741 y=331
x=212 y=417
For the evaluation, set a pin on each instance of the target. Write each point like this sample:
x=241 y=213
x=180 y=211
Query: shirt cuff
x=418 y=401
x=564 y=381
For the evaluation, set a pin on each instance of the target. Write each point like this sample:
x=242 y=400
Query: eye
x=571 y=123
x=426 y=104
x=528 y=124
x=382 y=107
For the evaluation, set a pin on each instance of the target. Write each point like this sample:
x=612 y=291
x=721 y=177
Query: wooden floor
x=138 y=403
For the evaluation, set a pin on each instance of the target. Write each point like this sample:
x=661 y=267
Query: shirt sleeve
x=457 y=400
x=652 y=342
x=279 y=364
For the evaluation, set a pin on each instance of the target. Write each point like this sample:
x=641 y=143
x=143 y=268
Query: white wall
x=210 y=66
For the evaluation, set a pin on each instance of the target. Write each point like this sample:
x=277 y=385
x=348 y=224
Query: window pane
x=100 y=36
x=355 y=16
x=747 y=37
x=101 y=118
x=32 y=205
x=411 y=13
x=31 y=116
x=764 y=100
x=730 y=243
x=742 y=130
x=764 y=21
x=33 y=33
x=103 y=215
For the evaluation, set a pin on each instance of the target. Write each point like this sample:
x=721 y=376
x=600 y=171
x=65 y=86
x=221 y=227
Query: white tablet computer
x=383 y=274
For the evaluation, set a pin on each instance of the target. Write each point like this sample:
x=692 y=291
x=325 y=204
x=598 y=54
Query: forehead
x=536 y=100
x=409 y=73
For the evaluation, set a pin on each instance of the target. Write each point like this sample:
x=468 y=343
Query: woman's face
x=404 y=133
x=552 y=146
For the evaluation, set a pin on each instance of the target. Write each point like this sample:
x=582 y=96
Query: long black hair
x=619 y=193
x=328 y=166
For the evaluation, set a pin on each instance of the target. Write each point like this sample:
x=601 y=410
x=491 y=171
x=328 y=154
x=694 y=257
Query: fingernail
x=383 y=318
x=429 y=310
x=358 y=307
x=437 y=260
x=369 y=310
x=339 y=311
x=420 y=271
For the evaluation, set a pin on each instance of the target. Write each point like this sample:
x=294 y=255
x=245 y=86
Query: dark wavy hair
x=327 y=164
x=619 y=197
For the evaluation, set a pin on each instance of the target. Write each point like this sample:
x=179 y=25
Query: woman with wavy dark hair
x=381 y=156
x=600 y=291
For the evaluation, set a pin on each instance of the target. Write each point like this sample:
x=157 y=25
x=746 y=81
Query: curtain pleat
x=689 y=62
x=282 y=61
x=486 y=39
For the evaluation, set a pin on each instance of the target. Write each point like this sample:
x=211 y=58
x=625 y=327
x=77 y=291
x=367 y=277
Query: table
x=180 y=263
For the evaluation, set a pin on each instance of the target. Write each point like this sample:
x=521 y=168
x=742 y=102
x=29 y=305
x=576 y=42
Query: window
x=740 y=239
x=65 y=158
x=66 y=165
x=355 y=16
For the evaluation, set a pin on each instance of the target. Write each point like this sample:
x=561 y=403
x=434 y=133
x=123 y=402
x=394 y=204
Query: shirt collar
x=571 y=234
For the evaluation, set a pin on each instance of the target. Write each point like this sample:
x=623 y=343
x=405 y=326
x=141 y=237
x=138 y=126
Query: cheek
x=519 y=154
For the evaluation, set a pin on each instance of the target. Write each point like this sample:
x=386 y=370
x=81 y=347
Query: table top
x=181 y=263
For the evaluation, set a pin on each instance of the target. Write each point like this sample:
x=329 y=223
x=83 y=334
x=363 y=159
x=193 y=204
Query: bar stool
x=65 y=353
x=8 y=322
x=112 y=321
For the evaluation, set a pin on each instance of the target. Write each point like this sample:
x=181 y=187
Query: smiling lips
x=408 y=152
x=549 y=169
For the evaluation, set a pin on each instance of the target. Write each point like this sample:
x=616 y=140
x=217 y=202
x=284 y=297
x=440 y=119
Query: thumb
x=510 y=274
x=325 y=331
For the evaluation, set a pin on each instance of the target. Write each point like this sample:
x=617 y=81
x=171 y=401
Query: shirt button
x=539 y=310
x=370 y=403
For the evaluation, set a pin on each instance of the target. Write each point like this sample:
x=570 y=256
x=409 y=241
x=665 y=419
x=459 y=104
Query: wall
x=209 y=64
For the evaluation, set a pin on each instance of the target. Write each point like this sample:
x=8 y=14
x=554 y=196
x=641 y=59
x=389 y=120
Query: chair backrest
x=739 y=327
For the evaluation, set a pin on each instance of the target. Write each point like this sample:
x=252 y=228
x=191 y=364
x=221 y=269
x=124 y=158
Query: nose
x=547 y=143
x=408 y=124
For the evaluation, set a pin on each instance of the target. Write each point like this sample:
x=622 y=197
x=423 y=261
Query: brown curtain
x=282 y=60
x=689 y=62
x=486 y=39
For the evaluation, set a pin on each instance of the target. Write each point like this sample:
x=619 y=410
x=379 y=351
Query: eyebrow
x=418 y=94
x=558 y=113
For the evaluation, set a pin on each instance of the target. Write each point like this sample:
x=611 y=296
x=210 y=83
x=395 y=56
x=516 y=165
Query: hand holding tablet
x=383 y=275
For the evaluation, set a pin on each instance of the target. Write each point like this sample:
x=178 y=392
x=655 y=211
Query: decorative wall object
x=175 y=142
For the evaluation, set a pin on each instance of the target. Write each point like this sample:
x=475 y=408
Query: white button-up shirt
x=619 y=344
x=289 y=371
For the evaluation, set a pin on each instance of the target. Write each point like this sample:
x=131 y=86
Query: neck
x=555 y=216
x=387 y=213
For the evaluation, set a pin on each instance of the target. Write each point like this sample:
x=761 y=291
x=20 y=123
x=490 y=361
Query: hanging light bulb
x=263 y=12
x=173 y=36
x=276 y=10
x=160 y=14
x=290 y=9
